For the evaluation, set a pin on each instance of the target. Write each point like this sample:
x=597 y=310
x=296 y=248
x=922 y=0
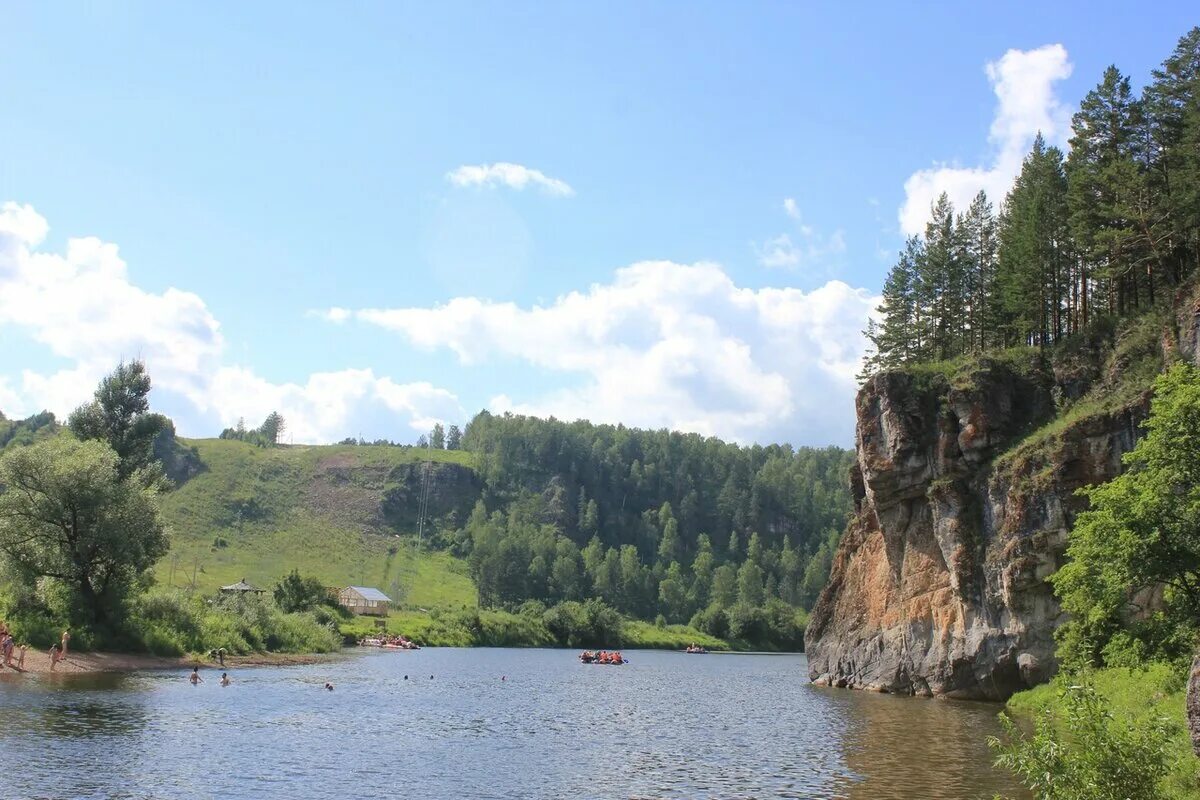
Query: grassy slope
x=316 y=509
x=295 y=514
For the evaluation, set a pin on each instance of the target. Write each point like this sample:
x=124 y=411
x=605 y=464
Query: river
x=488 y=723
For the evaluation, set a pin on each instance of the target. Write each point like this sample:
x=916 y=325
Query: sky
x=373 y=217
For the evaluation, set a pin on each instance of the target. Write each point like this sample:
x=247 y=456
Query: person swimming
x=195 y=676
x=328 y=686
x=225 y=679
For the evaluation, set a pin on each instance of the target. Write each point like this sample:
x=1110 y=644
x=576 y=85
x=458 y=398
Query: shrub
x=713 y=621
x=1084 y=752
x=589 y=624
x=295 y=593
x=746 y=622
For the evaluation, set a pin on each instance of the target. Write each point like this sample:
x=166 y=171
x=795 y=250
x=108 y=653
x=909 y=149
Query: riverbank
x=38 y=662
x=475 y=627
x=1135 y=697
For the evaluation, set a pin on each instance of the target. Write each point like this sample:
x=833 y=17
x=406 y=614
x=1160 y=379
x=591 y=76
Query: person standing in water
x=225 y=679
x=195 y=676
x=53 y=656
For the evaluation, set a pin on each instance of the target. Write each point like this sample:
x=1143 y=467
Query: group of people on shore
x=389 y=640
x=601 y=657
x=9 y=648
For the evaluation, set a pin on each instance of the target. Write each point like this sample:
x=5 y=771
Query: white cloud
x=1023 y=81
x=809 y=248
x=514 y=176
x=334 y=314
x=670 y=345
x=330 y=405
x=83 y=308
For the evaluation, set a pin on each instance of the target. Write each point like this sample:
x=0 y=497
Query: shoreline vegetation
x=536 y=533
x=38 y=663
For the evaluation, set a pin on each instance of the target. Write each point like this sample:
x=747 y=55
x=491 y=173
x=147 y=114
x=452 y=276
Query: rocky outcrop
x=452 y=490
x=939 y=586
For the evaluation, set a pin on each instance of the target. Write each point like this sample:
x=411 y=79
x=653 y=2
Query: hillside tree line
x=655 y=523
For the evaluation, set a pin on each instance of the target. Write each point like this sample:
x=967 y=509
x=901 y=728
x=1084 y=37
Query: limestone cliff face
x=938 y=587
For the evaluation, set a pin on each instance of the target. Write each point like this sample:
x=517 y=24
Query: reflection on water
x=903 y=747
x=667 y=725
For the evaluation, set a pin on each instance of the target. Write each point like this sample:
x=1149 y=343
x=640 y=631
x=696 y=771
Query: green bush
x=296 y=593
x=169 y=623
x=1117 y=742
x=592 y=623
x=29 y=620
x=502 y=629
x=747 y=622
x=712 y=621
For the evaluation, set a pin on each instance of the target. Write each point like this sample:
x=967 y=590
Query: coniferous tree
x=1172 y=125
x=896 y=338
x=1104 y=179
x=978 y=236
x=939 y=289
x=1035 y=249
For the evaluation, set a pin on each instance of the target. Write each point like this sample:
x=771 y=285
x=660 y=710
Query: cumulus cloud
x=83 y=308
x=514 y=176
x=1024 y=84
x=669 y=345
x=329 y=404
x=809 y=248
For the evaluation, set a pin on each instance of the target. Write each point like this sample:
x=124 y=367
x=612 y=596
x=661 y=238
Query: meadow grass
x=257 y=513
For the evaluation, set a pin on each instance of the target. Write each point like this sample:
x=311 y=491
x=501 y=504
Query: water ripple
x=665 y=726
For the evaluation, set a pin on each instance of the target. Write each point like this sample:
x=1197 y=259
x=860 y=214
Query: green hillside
x=258 y=513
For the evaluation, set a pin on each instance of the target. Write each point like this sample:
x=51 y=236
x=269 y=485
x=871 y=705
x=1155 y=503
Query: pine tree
x=939 y=292
x=1034 y=250
x=895 y=339
x=978 y=240
x=1172 y=117
x=1103 y=182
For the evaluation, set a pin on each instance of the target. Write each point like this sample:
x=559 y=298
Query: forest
x=658 y=524
x=1109 y=230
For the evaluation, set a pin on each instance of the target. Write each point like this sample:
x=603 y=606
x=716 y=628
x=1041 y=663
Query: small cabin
x=241 y=588
x=364 y=600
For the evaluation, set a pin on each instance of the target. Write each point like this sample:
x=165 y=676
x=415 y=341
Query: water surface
x=667 y=725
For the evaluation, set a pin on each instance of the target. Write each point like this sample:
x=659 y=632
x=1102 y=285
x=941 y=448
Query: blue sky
x=700 y=203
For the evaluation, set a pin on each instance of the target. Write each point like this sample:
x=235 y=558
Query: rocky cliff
x=964 y=493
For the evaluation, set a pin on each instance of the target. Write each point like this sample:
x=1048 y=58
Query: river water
x=666 y=725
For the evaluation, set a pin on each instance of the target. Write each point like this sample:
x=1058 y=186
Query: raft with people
x=602 y=657
x=695 y=650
